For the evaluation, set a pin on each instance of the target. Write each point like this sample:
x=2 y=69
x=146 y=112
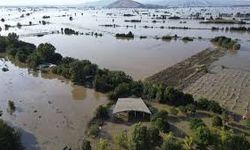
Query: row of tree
x=149 y=137
x=83 y=72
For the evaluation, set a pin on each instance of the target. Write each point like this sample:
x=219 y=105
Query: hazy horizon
x=66 y=2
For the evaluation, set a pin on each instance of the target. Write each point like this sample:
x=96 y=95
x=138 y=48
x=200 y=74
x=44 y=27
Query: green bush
x=12 y=106
x=217 y=121
x=102 y=113
x=173 y=111
x=207 y=105
x=145 y=138
x=196 y=123
x=85 y=145
x=94 y=130
x=10 y=138
x=160 y=120
x=226 y=42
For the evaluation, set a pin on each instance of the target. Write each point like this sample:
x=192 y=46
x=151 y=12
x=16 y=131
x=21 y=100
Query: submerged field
x=50 y=111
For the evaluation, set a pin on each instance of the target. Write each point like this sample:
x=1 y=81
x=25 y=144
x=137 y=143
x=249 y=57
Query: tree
x=183 y=109
x=217 y=121
x=102 y=145
x=213 y=106
x=102 y=113
x=34 y=60
x=94 y=130
x=189 y=98
x=176 y=98
x=122 y=141
x=173 y=111
x=140 y=137
x=45 y=51
x=106 y=80
x=170 y=143
x=82 y=71
x=85 y=145
x=154 y=136
x=225 y=136
x=145 y=138
x=122 y=90
x=55 y=58
x=10 y=138
x=203 y=137
x=191 y=108
x=196 y=123
x=160 y=120
x=12 y=106
x=236 y=142
x=12 y=38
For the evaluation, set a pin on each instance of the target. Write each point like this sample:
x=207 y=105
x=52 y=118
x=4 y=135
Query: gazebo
x=131 y=105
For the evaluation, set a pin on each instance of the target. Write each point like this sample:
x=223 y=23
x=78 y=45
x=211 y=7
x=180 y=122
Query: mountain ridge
x=172 y=3
x=125 y=4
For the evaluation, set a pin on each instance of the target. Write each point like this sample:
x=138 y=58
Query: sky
x=57 y=2
x=42 y=2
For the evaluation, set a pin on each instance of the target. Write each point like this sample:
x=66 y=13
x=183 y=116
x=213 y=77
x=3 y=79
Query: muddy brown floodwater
x=51 y=112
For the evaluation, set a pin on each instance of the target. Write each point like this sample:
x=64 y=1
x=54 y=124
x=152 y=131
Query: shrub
x=94 y=130
x=12 y=106
x=122 y=141
x=187 y=39
x=85 y=145
x=217 y=121
x=226 y=42
x=171 y=145
x=10 y=138
x=173 y=111
x=196 y=123
x=237 y=142
x=167 y=38
x=130 y=35
x=207 y=105
x=102 y=145
x=102 y=113
x=145 y=138
x=160 y=120
x=203 y=137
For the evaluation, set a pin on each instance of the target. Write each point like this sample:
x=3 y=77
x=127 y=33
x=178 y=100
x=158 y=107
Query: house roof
x=130 y=104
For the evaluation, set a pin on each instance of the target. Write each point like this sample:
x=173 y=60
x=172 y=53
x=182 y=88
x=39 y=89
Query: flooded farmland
x=50 y=111
x=147 y=55
x=53 y=113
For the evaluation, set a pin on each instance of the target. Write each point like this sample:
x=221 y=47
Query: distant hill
x=162 y=3
x=125 y=4
x=99 y=3
x=194 y=3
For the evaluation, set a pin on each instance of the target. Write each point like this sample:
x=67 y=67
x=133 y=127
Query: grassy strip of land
x=186 y=72
x=222 y=21
x=225 y=42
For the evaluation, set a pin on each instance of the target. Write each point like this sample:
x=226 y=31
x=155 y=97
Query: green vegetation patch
x=225 y=42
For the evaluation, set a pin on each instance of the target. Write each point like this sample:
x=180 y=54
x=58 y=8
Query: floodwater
x=53 y=113
x=139 y=57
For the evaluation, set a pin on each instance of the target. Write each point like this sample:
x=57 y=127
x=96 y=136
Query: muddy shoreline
x=186 y=72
